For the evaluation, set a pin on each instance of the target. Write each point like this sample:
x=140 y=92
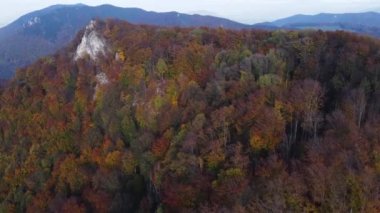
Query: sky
x=245 y=11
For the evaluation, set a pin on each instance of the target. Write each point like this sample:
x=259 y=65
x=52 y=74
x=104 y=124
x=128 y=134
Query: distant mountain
x=45 y=31
x=363 y=23
x=366 y=19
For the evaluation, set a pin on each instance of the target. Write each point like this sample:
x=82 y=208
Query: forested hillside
x=194 y=120
x=43 y=32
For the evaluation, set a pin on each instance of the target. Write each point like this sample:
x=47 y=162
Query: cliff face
x=92 y=44
x=145 y=118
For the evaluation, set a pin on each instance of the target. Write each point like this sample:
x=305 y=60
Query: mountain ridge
x=364 y=18
x=51 y=28
x=44 y=31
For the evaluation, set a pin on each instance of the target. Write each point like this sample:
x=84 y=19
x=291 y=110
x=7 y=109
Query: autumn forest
x=195 y=120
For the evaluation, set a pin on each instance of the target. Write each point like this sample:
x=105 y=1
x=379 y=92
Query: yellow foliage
x=129 y=163
x=257 y=142
x=234 y=172
x=215 y=158
x=172 y=92
x=283 y=110
x=120 y=55
x=71 y=175
x=113 y=159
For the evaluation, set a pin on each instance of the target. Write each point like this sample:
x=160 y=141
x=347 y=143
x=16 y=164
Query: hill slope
x=138 y=118
x=43 y=32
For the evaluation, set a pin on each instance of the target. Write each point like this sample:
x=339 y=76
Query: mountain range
x=43 y=32
x=363 y=23
x=366 y=19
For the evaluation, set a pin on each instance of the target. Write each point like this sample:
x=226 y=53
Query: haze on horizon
x=245 y=11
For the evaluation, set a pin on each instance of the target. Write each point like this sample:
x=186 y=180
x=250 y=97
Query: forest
x=195 y=120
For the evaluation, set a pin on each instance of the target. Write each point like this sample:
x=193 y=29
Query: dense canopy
x=203 y=120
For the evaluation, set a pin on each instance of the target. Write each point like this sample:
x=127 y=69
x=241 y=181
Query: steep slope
x=43 y=32
x=142 y=119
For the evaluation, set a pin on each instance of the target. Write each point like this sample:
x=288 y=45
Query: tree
x=267 y=131
x=304 y=102
x=356 y=103
x=162 y=68
x=71 y=175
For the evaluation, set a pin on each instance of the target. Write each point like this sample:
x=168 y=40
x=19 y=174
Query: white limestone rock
x=101 y=80
x=92 y=44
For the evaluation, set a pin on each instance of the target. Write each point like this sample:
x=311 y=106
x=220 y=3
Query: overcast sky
x=246 y=11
